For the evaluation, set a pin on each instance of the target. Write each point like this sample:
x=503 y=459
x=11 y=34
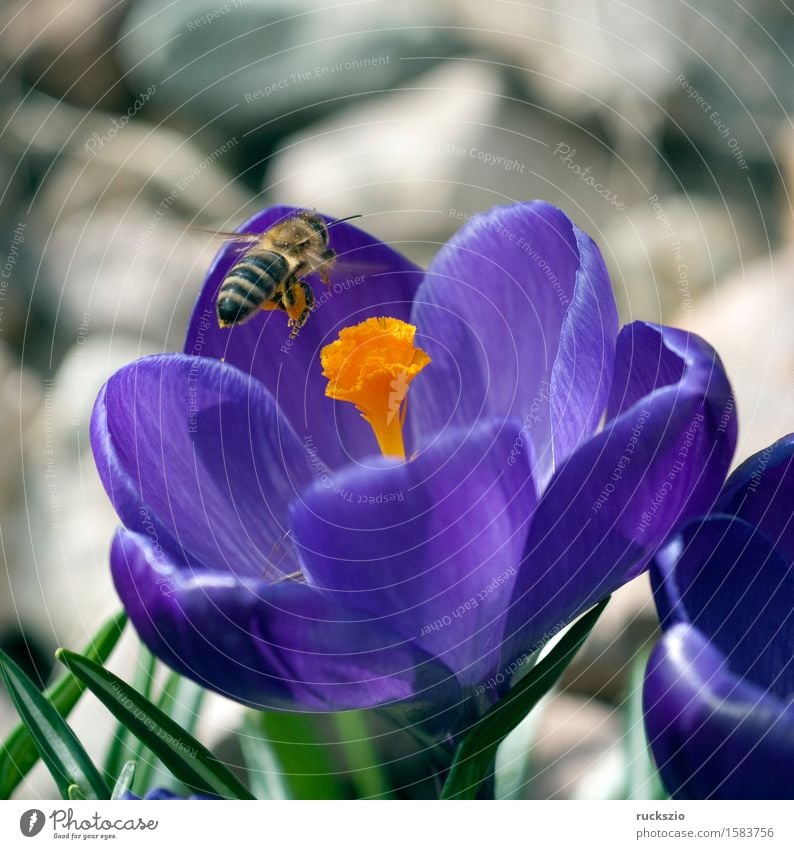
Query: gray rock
x=103 y=156
x=668 y=252
x=66 y=51
x=574 y=753
x=124 y=270
x=116 y=223
x=63 y=587
x=578 y=56
x=630 y=622
x=274 y=62
x=398 y=159
x=583 y=57
x=419 y=162
x=748 y=320
x=733 y=93
x=20 y=399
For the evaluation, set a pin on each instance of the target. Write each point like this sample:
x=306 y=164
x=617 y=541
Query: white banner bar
x=397 y=825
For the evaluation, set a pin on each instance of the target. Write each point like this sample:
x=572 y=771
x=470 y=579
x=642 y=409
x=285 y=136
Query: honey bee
x=269 y=275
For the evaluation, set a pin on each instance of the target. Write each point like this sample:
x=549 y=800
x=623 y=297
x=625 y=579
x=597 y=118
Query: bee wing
x=340 y=264
x=226 y=236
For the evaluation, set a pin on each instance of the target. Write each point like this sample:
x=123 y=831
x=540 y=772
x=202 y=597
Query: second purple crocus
x=719 y=685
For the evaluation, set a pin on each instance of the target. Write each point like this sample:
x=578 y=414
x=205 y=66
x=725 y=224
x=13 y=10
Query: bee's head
x=316 y=225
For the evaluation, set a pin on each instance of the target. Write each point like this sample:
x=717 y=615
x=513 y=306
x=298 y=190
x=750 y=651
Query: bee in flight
x=269 y=275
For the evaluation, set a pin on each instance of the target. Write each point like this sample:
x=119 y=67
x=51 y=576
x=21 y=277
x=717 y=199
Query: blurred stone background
x=125 y=123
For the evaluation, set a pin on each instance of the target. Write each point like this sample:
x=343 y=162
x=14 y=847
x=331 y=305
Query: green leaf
x=143 y=683
x=514 y=765
x=121 y=747
x=189 y=761
x=118 y=753
x=75 y=794
x=308 y=759
x=474 y=759
x=58 y=747
x=180 y=699
x=301 y=755
x=366 y=772
x=264 y=771
x=124 y=781
x=19 y=753
x=642 y=778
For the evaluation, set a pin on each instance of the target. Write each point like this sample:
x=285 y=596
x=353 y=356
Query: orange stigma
x=371 y=365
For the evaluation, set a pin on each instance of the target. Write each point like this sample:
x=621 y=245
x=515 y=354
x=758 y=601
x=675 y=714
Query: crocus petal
x=162 y=794
x=724 y=577
x=196 y=454
x=661 y=461
x=270 y=645
x=712 y=734
x=672 y=387
x=761 y=491
x=370 y=279
x=430 y=547
x=518 y=317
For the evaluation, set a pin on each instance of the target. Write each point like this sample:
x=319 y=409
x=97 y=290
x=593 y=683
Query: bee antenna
x=340 y=220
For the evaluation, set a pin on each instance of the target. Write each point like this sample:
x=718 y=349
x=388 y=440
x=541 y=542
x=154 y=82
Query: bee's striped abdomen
x=249 y=284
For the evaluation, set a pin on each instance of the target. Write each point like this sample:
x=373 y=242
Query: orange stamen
x=371 y=365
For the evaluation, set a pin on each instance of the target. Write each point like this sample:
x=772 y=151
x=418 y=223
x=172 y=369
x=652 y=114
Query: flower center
x=371 y=365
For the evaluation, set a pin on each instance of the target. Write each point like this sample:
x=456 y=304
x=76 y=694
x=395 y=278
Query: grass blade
x=366 y=773
x=309 y=757
x=474 y=759
x=264 y=771
x=189 y=761
x=57 y=745
x=19 y=753
x=642 y=779
x=124 y=782
x=122 y=748
x=180 y=699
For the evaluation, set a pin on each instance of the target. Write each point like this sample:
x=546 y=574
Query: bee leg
x=300 y=301
x=278 y=300
x=328 y=258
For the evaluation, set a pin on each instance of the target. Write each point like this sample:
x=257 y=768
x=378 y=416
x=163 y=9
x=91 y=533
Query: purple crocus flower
x=720 y=683
x=268 y=551
x=161 y=794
